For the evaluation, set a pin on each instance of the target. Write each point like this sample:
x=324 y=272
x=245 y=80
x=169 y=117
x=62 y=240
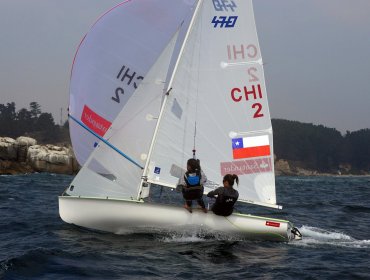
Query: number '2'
x=117 y=92
x=258 y=107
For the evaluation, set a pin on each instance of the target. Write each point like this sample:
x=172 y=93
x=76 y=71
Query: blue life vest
x=192 y=180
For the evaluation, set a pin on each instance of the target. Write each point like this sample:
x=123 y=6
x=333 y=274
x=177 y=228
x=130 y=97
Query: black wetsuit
x=226 y=198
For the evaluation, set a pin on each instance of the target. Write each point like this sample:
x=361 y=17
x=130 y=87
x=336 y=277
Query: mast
x=168 y=90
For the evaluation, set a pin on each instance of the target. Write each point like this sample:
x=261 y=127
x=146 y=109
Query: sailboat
x=154 y=83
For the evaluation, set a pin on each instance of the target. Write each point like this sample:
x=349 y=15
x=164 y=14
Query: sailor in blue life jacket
x=192 y=185
x=226 y=196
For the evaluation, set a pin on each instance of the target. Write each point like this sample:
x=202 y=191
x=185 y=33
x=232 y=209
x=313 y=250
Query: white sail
x=115 y=167
x=112 y=60
x=218 y=99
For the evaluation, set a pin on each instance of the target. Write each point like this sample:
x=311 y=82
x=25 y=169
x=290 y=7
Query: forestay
x=218 y=98
x=113 y=60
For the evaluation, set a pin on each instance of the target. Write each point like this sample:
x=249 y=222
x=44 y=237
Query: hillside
x=325 y=150
x=299 y=148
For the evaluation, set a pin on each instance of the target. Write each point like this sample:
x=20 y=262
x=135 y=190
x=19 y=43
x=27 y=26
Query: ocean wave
x=29 y=264
x=356 y=209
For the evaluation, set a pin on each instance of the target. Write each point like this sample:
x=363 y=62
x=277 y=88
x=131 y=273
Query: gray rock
x=8 y=148
x=282 y=167
x=50 y=158
x=25 y=141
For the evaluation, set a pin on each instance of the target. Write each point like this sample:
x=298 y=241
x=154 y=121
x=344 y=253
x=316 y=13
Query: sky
x=316 y=55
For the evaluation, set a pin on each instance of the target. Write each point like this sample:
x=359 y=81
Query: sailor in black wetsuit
x=226 y=196
x=192 y=185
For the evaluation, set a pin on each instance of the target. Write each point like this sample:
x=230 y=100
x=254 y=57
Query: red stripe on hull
x=272 y=224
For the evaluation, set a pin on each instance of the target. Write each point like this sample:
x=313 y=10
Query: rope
x=195 y=135
x=196 y=100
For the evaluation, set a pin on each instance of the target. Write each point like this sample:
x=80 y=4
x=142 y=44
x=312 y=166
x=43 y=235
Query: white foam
x=196 y=236
x=316 y=237
x=183 y=239
x=322 y=234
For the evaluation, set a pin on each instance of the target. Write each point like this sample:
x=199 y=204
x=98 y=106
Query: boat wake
x=196 y=236
x=316 y=237
x=183 y=239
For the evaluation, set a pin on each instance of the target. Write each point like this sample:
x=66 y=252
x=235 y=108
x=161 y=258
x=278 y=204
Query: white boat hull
x=124 y=216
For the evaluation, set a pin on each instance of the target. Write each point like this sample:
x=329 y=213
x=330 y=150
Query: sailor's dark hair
x=231 y=178
x=194 y=164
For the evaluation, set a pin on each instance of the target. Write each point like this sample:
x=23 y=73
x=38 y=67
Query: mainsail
x=218 y=105
x=113 y=60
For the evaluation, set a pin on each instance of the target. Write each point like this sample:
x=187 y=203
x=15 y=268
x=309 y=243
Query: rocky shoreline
x=24 y=155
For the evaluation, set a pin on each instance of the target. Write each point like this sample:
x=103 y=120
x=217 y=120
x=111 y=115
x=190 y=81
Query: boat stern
x=293 y=232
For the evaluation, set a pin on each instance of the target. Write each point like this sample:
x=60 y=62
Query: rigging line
x=106 y=142
x=197 y=95
x=195 y=134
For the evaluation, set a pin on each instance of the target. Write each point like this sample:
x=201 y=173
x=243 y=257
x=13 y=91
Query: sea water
x=332 y=213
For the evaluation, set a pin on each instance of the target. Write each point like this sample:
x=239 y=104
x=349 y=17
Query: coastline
x=23 y=156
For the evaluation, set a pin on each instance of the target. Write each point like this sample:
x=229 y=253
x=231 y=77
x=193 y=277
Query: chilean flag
x=249 y=147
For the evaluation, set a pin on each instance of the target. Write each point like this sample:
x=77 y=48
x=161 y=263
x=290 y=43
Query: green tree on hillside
x=32 y=122
x=24 y=120
x=35 y=110
x=358 y=145
x=314 y=146
x=7 y=119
